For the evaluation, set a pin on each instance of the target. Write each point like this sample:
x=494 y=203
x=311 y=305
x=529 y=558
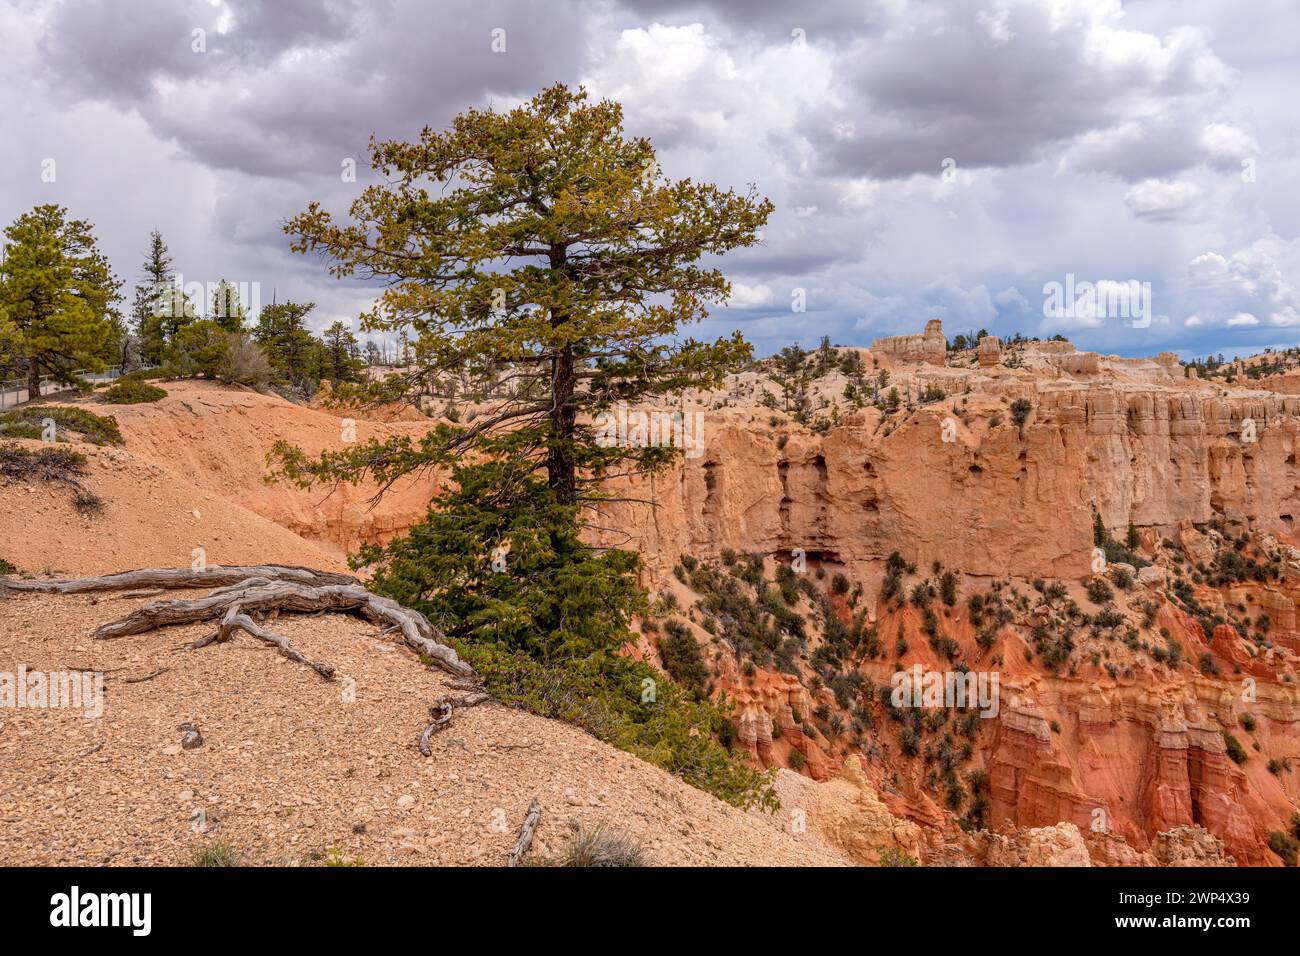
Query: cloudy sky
x=927 y=160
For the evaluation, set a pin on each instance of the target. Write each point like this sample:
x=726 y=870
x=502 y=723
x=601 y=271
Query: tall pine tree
x=282 y=332
x=543 y=244
x=152 y=298
x=226 y=310
x=58 y=293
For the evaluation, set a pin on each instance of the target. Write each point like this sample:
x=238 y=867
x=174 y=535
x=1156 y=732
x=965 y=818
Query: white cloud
x=1163 y=201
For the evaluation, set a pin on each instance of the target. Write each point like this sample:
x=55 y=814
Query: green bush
x=605 y=698
x=216 y=853
x=133 y=393
x=1235 y=750
x=892 y=856
x=1285 y=846
x=1099 y=592
x=1020 y=410
x=544 y=625
x=29 y=422
x=682 y=658
x=139 y=375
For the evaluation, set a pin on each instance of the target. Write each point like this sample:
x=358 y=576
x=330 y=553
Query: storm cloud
x=926 y=159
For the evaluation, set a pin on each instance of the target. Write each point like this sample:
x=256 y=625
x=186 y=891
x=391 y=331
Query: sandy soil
x=292 y=768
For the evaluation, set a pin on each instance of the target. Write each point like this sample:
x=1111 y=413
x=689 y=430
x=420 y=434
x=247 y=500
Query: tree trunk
x=33 y=378
x=559 y=457
x=560 y=471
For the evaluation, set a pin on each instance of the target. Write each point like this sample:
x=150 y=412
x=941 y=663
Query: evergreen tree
x=341 y=359
x=58 y=293
x=282 y=332
x=152 y=297
x=543 y=245
x=226 y=310
x=199 y=348
x=549 y=244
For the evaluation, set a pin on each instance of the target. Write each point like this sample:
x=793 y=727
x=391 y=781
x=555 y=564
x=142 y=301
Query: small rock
x=192 y=738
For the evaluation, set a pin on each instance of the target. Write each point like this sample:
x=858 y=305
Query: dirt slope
x=291 y=768
x=218 y=438
x=152 y=517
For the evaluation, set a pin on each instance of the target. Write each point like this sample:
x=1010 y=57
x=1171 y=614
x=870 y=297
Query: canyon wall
x=993 y=500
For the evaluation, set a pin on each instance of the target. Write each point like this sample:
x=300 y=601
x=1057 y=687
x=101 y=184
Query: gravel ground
x=294 y=769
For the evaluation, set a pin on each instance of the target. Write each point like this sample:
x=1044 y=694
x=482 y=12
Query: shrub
x=245 y=363
x=216 y=853
x=1235 y=750
x=1285 y=846
x=54 y=464
x=892 y=856
x=1099 y=592
x=30 y=422
x=1020 y=410
x=139 y=375
x=7 y=570
x=133 y=393
x=948 y=588
x=599 y=846
x=682 y=658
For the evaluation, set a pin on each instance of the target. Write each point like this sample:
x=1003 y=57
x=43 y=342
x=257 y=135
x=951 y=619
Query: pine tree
x=226 y=310
x=550 y=245
x=152 y=297
x=282 y=332
x=342 y=363
x=58 y=293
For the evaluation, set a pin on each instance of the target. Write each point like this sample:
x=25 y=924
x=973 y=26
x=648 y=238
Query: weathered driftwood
x=441 y=713
x=266 y=589
x=210 y=576
x=265 y=597
x=235 y=619
x=526 y=833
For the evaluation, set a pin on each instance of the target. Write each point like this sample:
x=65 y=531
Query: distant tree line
x=60 y=313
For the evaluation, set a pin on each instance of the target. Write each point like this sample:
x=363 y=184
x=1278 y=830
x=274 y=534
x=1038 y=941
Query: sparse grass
x=7 y=570
x=334 y=856
x=599 y=846
x=134 y=393
x=216 y=853
x=53 y=464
